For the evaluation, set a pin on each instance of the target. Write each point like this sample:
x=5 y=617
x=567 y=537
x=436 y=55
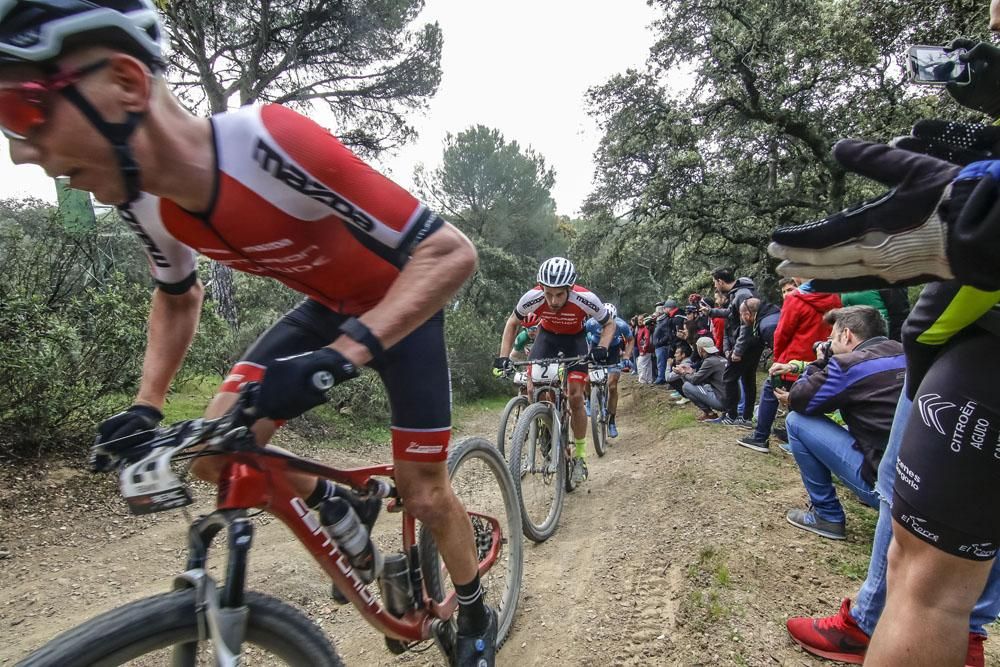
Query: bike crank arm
x=226 y=626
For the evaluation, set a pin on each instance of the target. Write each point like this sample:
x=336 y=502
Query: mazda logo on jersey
x=272 y=162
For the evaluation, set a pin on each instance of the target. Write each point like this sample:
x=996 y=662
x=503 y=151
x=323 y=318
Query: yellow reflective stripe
x=968 y=306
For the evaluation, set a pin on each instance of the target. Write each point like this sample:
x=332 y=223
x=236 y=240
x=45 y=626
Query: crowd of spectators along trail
x=834 y=370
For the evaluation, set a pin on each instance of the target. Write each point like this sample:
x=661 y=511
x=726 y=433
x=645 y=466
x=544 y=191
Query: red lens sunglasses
x=24 y=104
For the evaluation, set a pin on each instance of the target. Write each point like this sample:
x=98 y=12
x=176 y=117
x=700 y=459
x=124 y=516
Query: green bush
x=65 y=367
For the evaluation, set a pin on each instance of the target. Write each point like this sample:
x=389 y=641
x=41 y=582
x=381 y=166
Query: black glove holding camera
x=982 y=93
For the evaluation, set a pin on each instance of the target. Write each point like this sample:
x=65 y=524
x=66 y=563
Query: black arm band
x=182 y=287
x=355 y=329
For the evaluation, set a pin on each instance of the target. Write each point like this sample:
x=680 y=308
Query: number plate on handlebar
x=599 y=375
x=150 y=485
x=544 y=373
x=520 y=378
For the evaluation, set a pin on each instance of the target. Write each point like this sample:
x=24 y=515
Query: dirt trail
x=675 y=552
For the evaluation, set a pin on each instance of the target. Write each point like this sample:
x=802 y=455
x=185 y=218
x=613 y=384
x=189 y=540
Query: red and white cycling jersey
x=581 y=304
x=292 y=203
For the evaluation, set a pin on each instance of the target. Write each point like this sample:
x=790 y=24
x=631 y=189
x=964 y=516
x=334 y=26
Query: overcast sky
x=521 y=66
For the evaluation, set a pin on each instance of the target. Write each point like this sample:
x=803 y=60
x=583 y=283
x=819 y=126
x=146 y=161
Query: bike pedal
x=446 y=637
x=396 y=646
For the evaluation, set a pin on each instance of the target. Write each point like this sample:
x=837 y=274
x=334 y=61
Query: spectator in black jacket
x=665 y=338
x=859 y=372
x=742 y=351
x=762 y=316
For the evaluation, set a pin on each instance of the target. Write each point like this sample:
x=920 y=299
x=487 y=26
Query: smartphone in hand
x=936 y=66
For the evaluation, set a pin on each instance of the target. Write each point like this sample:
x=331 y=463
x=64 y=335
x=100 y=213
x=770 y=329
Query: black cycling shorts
x=414 y=372
x=947 y=488
x=548 y=345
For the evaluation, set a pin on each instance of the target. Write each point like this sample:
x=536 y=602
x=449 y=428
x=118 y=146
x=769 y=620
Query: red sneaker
x=838 y=637
x=835 y=637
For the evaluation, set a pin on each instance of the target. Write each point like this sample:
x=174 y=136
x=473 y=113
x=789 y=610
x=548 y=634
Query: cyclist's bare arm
x=607 y=333
x=509 y=334
x=438 y=267
x=173 y=319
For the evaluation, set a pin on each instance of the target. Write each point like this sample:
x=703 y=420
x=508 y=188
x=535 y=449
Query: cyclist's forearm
x=607 y=333
x=436 y=270
x=509 y=334
x=173 y=319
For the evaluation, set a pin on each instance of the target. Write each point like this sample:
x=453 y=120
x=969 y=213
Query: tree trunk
x=224 y=294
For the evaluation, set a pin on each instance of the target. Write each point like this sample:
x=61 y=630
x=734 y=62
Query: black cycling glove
x=982 y=93
x=294 y=385
x=127 y=429
x=133 y=420
x=937 y=222
x=502 y=364
x=958 y=143
x=599 y=354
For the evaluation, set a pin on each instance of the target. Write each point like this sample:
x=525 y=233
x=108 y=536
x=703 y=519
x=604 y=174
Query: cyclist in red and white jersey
x=268 y=191
x=562 y=307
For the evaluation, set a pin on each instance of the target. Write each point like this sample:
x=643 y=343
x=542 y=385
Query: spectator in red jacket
x=644 y=343
x=802 y=324
x=799 y=327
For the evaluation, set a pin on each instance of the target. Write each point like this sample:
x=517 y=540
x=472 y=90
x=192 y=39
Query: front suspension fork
x=222 y=617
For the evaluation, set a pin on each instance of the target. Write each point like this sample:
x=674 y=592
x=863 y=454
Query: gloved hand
x=937 y=222
x=599 y=354
x=958 y=143
x=294 y=385
x=503 y=364
x=127 y=429
x=627 y=366
x=982 y=93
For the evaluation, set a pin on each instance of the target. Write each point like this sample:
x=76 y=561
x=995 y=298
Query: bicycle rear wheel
x=481 y=481
x=144 y=632
x=508 y=421
x=535 y=464
x=599 y=418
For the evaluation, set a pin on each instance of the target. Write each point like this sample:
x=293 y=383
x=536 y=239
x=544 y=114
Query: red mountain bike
x=201 y=622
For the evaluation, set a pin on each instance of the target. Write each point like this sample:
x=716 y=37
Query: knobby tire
x=169 y=619
x=535 y=530
x=512 y=549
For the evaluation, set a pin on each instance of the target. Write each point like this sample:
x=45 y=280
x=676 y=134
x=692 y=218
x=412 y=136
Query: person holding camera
x=800 y=326
x=859 y=372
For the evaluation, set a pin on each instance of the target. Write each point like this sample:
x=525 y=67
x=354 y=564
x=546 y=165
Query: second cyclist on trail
x=562 y=307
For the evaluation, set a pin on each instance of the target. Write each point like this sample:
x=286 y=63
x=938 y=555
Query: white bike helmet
x=612 y=311
x=557 y=272
x=39 y=31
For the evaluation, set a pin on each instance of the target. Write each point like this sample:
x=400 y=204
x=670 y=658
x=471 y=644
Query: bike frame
x=259 y=480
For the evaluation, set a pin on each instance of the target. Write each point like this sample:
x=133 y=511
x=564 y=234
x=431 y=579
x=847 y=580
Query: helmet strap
x=118 y=135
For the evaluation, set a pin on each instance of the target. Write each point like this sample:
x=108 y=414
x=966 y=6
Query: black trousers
x=745 y=369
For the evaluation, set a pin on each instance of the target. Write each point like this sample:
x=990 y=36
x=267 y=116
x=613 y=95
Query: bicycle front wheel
x=147 y=632
x=599 y=418
x=536 y=466
x=481 y=481
x=508 y=422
